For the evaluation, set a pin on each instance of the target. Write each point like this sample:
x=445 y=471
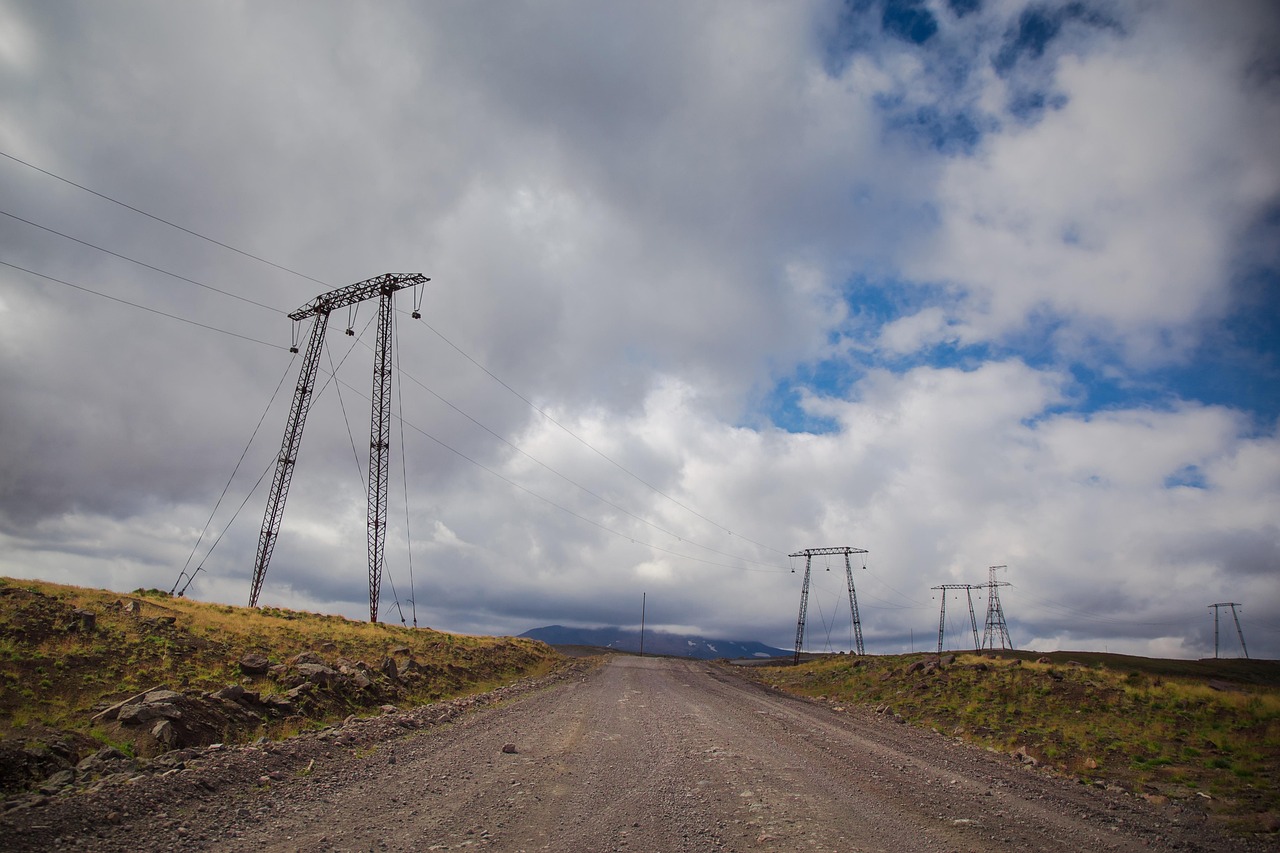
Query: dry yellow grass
x=1161 y=728
x=52 y=675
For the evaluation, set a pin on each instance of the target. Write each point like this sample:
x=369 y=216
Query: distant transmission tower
x=809 y=554
x=1233 y=605
x=995 y=628
x=942 y=611
x=383 y=287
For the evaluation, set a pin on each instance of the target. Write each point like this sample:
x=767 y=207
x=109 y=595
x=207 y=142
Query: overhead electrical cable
x=576 y=484
x=592 y=447
x=236 y=514
x=236 y=470
x=915 y=602
x=271 y=464
x=142 y=263
x=143 y=307
x=464 y=354
x=562 y=508
x=161 y=219
x=404 y=477
x=355 y=454
x=1078 y=614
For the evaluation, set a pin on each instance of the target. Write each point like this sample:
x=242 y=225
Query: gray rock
x=389 y=669
x=306 y=657
x=86 y=621
x=158 y=696
x=165 y=733
x=254 y=664
x=318 y=673
x=58 y=781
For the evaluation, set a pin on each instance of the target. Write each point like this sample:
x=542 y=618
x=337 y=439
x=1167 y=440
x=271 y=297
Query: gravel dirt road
x=636 y=754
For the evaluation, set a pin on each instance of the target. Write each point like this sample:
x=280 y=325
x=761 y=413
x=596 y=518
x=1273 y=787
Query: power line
x=234 y=471
x=573 y=482
x=592 y=447
x=558 y=506
x=283 y=268
x=142 y=307
x=161 y=219
x=140 y=263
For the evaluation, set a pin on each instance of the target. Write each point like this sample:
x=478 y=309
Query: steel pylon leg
x=973 y=619
x=853 y=604
x=286 y=462
x=379 y=450
x=942 y=619
x=804 y=607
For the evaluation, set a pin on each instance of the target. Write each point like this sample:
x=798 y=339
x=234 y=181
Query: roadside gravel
x=637 y=754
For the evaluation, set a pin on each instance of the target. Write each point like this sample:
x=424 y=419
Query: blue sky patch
x=909 y=20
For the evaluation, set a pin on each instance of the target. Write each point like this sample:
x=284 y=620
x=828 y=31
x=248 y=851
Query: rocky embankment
x=108 y=788
x=161 y=727
x=103 y=784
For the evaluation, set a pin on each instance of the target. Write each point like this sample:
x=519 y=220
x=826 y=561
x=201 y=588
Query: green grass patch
x=1159 y=727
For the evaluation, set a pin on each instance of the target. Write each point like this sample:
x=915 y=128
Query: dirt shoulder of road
x=143 y=798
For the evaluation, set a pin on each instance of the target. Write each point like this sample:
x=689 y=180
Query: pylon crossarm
x=819 y=552
x=343 y=296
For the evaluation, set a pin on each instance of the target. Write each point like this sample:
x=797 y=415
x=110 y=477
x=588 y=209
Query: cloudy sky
x=958 y=282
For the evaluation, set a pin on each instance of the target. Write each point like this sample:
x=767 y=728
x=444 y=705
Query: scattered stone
x=389 y=669
x=114 y=711
x=86 y=621
x=1025 y=757
x=306 y=657
x=318 y=673
x=165 y=734
x=254 y=664
x=509 y=748
x=1224 y=686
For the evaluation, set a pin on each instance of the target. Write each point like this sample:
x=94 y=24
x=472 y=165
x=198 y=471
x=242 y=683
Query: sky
x=960 y=283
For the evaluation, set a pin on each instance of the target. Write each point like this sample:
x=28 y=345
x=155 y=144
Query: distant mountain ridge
x=655 y=642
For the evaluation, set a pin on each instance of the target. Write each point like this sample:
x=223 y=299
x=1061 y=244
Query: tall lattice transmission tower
x=1239 y=631
x=809 y=554
x=383 y=287
x=995 y=629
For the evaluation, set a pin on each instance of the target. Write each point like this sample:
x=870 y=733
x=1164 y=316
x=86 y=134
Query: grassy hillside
x=67 y=653
x=1207 y=731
